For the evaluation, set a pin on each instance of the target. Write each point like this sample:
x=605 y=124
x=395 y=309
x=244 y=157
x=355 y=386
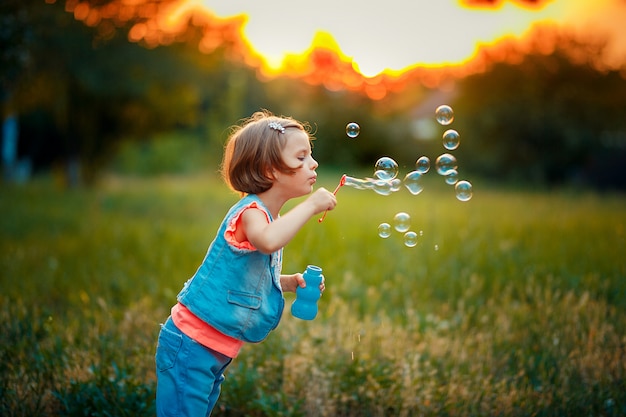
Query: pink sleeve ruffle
x=235 y=222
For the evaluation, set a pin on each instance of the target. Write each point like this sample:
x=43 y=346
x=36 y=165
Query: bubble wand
x=342 y=181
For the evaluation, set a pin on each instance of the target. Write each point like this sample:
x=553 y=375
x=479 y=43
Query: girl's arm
x=269 y=237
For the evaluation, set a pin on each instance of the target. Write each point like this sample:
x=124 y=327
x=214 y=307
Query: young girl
x=236 y=295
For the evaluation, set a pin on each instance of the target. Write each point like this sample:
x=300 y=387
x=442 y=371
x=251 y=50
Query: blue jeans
x=189 y=375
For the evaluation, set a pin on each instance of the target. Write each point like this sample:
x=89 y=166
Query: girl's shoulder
x=249 y=201
x=233 y=221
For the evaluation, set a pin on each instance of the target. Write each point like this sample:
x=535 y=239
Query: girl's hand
x=290 y=283
x=322 y=200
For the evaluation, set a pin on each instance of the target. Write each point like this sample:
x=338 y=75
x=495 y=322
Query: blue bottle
x=305 y=305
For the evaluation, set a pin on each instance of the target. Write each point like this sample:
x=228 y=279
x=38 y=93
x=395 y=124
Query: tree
x=541 y=120
x=80 y=94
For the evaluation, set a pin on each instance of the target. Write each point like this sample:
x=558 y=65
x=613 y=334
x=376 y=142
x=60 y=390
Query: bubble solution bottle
x=305 y=305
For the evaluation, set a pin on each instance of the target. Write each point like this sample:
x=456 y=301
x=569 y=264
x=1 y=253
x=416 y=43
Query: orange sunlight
x=367 y=47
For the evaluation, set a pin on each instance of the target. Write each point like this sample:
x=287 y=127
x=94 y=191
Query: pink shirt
x=203 y=333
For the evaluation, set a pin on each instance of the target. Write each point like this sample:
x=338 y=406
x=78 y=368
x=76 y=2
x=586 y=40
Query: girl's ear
x=271 y=174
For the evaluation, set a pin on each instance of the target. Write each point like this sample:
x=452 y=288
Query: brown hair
x=253 y=150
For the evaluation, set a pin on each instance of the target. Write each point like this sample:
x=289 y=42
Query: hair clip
x=276 y=126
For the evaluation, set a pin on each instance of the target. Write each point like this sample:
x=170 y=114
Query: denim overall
x=236 y=291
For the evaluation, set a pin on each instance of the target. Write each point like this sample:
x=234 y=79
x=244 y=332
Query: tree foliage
x=81 y=90
x=80 y=95
x=545 y=120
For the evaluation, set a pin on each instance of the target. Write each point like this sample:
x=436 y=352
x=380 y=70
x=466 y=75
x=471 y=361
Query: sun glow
x=392 y=38
x=366 y=46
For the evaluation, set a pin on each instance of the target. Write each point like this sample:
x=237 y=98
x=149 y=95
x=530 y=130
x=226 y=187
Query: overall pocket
x=244 y=299
x=168 y=346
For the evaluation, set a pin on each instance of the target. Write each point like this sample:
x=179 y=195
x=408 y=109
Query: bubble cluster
x=353 y=130
x=446 y=163
x=402 y=224
x=385 y=181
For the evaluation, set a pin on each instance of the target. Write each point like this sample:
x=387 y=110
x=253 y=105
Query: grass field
x=511 y=304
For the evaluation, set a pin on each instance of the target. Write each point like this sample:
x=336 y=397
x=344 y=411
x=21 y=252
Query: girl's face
x=297 y=155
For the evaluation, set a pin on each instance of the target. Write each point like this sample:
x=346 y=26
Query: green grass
x=520 y=309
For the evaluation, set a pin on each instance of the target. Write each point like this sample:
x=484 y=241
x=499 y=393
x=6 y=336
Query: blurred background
x=145 y=87
x=113 y=118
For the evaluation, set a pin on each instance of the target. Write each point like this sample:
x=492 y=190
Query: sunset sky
x=397 y=34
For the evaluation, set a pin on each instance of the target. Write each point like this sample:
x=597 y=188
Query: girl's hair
x=253 y=151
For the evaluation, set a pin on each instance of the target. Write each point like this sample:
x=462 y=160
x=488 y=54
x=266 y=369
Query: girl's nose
x=314 y=163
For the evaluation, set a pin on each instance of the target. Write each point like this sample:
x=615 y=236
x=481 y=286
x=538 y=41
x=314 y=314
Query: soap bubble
x=422 y=165
x=383 y=187
x=395 y=184
x=451 y=139
x=402 y=222
x=410 y=239
x=463 y=190
x=444 y=115
x=452 y=176
x=413 y=182
x=386 y=168
x=353 y=130
x=445 y=162
x=356 y=183
x=384 y=230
